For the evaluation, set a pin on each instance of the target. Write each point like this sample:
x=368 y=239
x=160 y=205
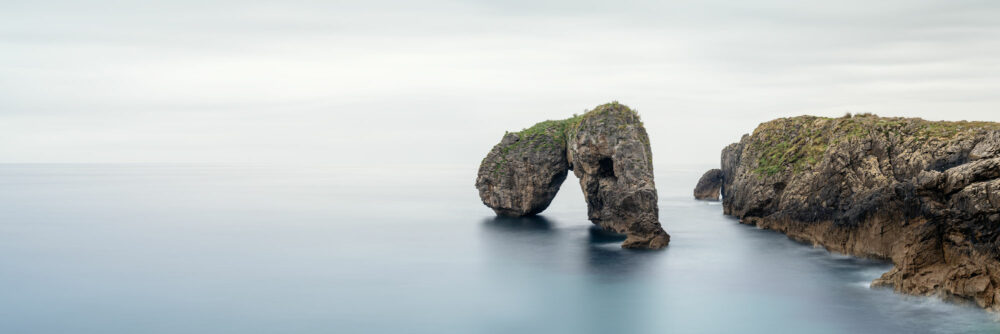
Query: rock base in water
x=606 y=148
x=925 y=195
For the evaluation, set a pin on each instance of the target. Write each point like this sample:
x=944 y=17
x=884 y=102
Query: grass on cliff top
x=560 y=130
x=554 y=133
x=798 y=143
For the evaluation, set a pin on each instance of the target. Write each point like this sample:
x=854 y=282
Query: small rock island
x=709 y=186
x=923 y=194
x=607 y=149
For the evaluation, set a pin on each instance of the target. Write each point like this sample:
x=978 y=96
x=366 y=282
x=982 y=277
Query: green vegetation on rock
x=547 y=133
x=553 y=134
x=607 y=150
x=797 y=143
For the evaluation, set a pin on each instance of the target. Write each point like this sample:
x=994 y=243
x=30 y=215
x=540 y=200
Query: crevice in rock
x=606 y=168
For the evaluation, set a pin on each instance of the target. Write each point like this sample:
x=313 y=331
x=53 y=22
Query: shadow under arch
x=518 y=224
x=532 y=239
x=598 y=235
x=590 y=249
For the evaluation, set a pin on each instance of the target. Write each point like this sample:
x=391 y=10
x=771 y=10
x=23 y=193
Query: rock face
x=607 y=148
x=609 y=152
x=925 y=195
x=709 y=186
x=522 y=174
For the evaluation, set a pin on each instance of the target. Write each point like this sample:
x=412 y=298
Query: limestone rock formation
x=521 y=175
x=925 y=195
x=709 y=186
x=608 y=150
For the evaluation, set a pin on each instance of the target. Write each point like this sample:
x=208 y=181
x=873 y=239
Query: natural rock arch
x=607 y=149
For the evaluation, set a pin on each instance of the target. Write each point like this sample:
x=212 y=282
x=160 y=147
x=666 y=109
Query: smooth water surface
x=216 y=249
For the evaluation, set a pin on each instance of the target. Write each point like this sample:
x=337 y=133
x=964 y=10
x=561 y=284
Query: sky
x=387 y=83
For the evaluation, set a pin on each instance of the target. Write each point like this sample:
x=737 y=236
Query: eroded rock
x=608 y=150
x=709 y=186
x=925 y=195
x=522 y=174
x=988 y=147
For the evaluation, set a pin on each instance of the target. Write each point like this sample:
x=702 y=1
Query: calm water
x=203 y=249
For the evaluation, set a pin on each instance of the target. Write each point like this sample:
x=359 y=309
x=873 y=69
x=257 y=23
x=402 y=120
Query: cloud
x=360 y=82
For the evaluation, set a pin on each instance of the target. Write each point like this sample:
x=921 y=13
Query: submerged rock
x=923 y=194
x=608 y=150
x=709 y=186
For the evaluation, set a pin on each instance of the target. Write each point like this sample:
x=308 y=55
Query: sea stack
x=607 y=149
x=925 y=195
x=709 y=186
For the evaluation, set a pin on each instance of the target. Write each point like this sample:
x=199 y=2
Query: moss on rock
x=796 y=144
x=608 y=150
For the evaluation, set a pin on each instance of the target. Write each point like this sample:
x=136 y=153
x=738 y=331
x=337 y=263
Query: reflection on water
x=518 y=224
x=579 y=275
x=606 y=259
x=601 y=236
x=595 y=249
x=187 y=249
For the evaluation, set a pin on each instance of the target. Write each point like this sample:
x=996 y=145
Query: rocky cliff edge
x=923 y=194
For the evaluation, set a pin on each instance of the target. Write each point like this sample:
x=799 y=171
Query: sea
x=188 y=248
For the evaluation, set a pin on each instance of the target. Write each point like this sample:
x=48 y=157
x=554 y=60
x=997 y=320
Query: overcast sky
x=438 y=82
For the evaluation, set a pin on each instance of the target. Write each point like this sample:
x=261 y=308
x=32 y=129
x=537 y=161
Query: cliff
x=607 y=149
x=925 y=195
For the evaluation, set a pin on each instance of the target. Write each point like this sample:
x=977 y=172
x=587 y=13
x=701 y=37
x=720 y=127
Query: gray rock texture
x=709 y=187
x=609 y=152
x=522 y=174
x=607 y=149
x=925 y=195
